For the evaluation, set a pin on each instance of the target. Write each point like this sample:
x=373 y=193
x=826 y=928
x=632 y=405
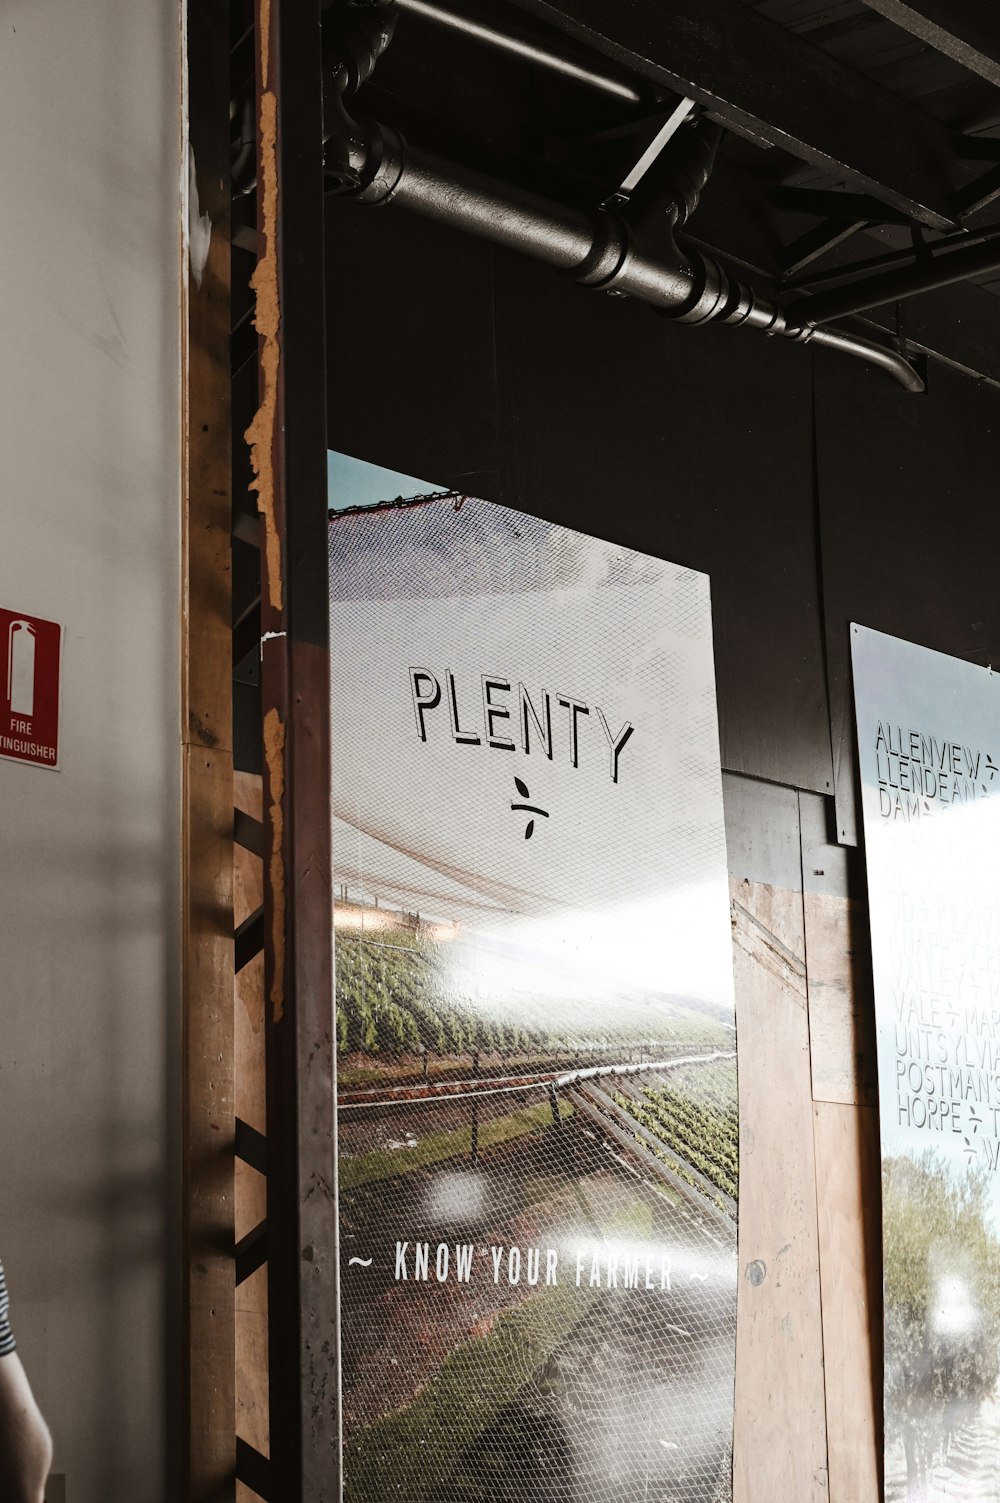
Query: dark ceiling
x=855 y=130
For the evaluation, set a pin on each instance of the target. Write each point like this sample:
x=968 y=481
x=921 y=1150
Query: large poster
x=929 y=743
x=537 y=1111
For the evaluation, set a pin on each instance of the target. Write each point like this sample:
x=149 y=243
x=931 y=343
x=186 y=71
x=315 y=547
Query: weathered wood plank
x=841 y=1007
x=250 y=1092
x=780 y=1432
x=850 y=1245
x=248 y=870
x=208 y=1121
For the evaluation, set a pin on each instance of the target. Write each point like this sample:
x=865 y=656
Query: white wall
x=89 y=865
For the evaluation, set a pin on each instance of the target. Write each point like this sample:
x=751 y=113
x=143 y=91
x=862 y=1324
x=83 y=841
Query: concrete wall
x=89 y=854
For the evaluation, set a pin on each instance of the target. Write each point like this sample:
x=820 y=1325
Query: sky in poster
x=353 y=482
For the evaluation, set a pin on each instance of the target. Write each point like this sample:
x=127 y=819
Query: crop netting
x=538 y=1238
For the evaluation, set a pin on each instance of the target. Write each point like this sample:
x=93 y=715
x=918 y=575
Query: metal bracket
x=661 y=139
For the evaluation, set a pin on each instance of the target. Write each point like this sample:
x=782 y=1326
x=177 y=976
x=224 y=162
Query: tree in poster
x=942 y=1303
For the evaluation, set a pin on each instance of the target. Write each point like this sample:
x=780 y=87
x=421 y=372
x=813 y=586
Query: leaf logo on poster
x=533 y=809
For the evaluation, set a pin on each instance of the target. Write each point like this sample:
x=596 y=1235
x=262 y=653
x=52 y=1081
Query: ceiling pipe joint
x=374 y=164
x=607 y=262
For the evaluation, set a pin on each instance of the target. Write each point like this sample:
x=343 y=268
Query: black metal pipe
x=596 y=248
x=392 y=171
x=890 y=287
x=529 y=49
x=890 y=360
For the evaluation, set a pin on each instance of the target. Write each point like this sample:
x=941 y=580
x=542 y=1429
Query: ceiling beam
x=967 y=31
x=756 y=77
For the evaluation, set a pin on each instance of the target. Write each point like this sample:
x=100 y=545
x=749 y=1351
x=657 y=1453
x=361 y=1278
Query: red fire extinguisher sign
x=29 y=688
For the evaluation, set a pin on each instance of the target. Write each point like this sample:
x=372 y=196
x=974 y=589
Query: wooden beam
x=757 y=77
x=779 y=1334
x=848 y=1194
x=966 y=30
x=206 y=732
x=288 y=455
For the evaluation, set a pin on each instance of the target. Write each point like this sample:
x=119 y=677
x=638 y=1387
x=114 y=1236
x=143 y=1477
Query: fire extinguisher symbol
x=21 y=668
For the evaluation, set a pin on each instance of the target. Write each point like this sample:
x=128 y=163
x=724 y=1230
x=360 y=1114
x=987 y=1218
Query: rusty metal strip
x=274 y=760
x=267 y=314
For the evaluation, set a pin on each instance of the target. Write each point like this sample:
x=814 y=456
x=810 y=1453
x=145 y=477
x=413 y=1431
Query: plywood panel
x=780 y=1437
x=841 y=1007
x=847 y=1177
x=762 y=831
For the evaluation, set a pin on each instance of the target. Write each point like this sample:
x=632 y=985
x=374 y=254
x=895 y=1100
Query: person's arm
x=25 y=1444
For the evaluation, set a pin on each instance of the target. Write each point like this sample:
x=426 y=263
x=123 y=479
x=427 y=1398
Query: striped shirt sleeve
x=7 y=1342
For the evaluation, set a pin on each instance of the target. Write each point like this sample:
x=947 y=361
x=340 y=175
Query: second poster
x=537 y=1110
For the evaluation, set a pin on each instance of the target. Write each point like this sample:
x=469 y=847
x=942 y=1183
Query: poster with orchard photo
x=536 y=1046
